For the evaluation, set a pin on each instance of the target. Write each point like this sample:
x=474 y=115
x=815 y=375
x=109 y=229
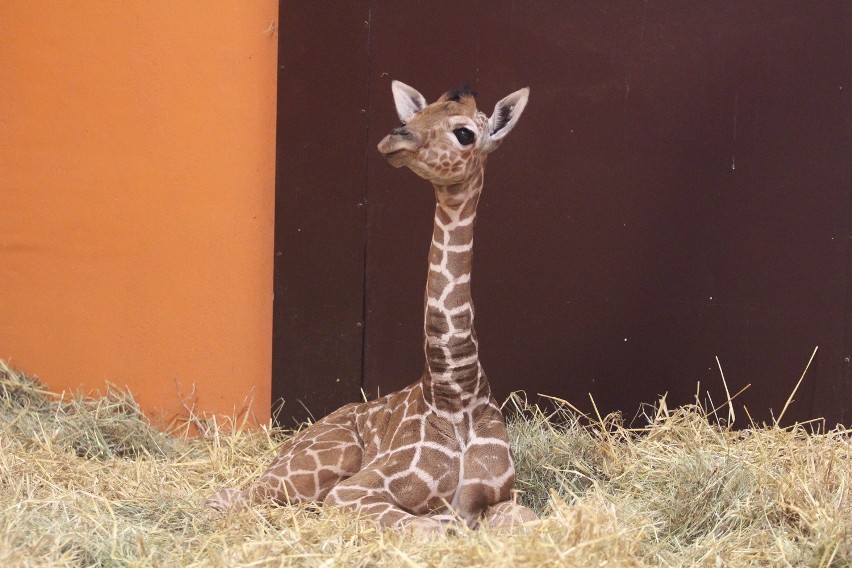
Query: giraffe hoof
x=508 y=516
x=425 y=526
x=223 y=499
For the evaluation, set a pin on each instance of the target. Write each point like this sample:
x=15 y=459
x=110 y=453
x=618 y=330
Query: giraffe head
x=447 y=141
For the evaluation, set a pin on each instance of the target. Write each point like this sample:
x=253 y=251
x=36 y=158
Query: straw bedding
x=90 y=483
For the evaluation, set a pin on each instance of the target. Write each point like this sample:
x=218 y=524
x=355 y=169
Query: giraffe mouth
x=397 y=150
x=399 y=158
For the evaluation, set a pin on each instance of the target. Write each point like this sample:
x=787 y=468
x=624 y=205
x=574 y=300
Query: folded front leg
x=508 y=515
x=371 y=493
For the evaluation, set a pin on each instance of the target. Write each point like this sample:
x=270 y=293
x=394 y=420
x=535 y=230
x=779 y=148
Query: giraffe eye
x=464 y=136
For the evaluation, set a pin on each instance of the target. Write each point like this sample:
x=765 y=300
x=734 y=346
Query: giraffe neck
x=454 y=380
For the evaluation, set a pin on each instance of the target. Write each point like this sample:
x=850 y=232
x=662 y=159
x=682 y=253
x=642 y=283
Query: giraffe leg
x=507 y=515
x=367 y=493
x=308 y=466
x=230 y=498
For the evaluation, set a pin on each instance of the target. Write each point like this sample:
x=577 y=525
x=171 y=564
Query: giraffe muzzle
x=399 y=147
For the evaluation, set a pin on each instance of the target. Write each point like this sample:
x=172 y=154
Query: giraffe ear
x=408 y=100
x=505 y=117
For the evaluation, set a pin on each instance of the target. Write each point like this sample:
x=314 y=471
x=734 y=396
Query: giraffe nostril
x=401 y=131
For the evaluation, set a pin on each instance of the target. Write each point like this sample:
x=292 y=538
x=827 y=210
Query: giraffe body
x=438 y=449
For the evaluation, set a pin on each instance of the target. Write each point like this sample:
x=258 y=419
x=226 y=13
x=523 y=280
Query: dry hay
x=90 y=483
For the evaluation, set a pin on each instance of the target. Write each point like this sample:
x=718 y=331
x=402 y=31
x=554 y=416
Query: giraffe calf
x=435 y=453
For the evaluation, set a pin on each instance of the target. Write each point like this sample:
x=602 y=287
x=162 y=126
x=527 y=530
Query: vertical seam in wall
x=364 y=204
x=277 y=268
x=846 y=397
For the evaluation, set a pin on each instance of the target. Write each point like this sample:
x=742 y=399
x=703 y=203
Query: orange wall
x=137 y=146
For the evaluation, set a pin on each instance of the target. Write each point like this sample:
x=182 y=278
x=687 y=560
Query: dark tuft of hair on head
x=459 y=92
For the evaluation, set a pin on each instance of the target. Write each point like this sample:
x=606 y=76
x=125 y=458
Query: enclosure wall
x=137 y=149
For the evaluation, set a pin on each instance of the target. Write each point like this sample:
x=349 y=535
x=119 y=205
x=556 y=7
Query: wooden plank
x=319 y=237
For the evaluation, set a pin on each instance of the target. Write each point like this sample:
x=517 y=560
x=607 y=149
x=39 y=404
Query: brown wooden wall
x=678 y=188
